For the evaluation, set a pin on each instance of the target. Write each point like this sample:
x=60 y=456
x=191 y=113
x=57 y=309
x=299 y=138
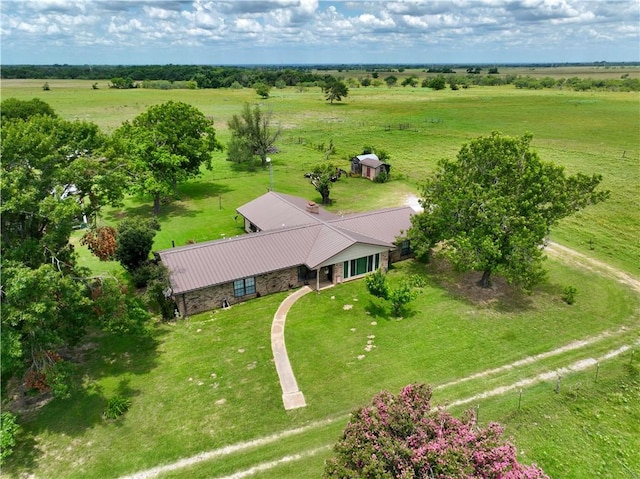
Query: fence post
x=597 y=370
x=558 y=384
x=520 y=399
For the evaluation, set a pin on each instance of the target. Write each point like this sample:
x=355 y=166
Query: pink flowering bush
x=403 y=437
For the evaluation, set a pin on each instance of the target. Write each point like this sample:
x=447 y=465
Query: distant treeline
x=203 y=76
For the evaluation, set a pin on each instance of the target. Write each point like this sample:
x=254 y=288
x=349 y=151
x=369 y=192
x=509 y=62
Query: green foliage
x=493 y=207
x=322 y=177
x=382 y=177
x=400 y=296
x=120 y=83
x=134 y=242
x=50 y=176
x=42 y=310
x=335 y=90
x=116 y=311
x=376 y=284
x=569 y=294
x=14 y=109
x=435 y=83
x=391 y=80
x=116 y=407
x=60 y=378
x=165 y=145
x=252 y=134
x=262 y=89
x=8 y=430
x=158 y=293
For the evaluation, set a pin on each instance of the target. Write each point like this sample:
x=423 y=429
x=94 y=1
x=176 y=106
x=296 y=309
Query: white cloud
x=512 y=28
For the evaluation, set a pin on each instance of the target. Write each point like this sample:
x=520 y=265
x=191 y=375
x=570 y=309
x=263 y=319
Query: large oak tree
x=166 y=144
x=491 y=209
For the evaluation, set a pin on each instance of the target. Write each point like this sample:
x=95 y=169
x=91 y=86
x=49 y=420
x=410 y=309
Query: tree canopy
x=322 y=177
x=166 y=144
x=53 y=174
x=404 y=436
x=252 y=134
x=493 y=207
x=335 y=90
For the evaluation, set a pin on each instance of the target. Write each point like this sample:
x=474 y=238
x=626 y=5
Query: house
x=368 y=166
x=292 y=242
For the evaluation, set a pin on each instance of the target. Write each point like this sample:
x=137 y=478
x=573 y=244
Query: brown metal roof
x=206 y=264
x=277 y=210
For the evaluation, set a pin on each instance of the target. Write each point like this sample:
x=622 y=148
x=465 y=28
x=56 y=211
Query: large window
x=359 y=266
x=243 y=287
x=405 y=248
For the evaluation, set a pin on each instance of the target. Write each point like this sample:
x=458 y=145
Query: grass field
x=207 y=383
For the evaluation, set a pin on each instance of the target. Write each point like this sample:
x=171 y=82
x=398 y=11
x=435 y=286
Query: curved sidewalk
x=292 y=397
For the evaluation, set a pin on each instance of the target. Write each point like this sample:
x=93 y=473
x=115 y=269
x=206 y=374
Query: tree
x=436 y=83
x=12 y=109
x=42 y=309
x=404 y=436
x=165 y=145
x=335 y=90
x=391 y=80
x=252 y=134
x=322 y=177
x=262 y=89
x=47 y=185
x=134 y=242
x=492 y=209
x=399 y=296
x=411 y=81
x=376 y=284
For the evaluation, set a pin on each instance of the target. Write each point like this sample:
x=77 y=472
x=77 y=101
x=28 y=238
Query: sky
x=285 y=32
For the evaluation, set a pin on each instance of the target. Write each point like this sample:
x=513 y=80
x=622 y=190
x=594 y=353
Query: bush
x=569 y=295
x=134 y=242
x=376 y=284
x=404 y=436
x=8 y=430
x=116 y=407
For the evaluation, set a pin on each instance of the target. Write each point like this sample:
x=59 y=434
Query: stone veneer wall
x=211 y=298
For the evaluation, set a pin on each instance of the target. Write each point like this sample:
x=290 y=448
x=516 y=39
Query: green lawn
x=209 y=382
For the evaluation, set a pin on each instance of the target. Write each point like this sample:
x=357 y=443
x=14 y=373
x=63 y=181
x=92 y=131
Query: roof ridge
x=369 y=213
x=239 y=237
x=310 y=215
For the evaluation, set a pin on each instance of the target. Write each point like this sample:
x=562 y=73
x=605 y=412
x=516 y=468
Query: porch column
x=318 y=280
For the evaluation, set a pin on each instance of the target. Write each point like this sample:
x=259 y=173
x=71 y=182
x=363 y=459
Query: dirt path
x=574 y=258
x=562 y=253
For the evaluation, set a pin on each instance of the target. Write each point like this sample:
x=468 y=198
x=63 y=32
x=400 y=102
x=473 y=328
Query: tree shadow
x=198 y=190
x=377 y=310
x=107 y=357
x=463 y=286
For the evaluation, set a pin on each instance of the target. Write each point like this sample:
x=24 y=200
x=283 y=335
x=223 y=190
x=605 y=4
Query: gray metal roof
x=373 y=163
x=206 y=264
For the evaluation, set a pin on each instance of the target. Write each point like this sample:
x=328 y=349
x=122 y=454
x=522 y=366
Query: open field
x=209 y=383
x=591 y=132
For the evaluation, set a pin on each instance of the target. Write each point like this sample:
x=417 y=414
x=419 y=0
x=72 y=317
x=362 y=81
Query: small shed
x=368 y=166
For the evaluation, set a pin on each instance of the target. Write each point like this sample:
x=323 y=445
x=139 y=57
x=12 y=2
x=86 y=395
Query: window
x=405 y=248
x=360 y=266
x=243 y=287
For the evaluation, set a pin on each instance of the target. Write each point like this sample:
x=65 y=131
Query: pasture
x=209 y=382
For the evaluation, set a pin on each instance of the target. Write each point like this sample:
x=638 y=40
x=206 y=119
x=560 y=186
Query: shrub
x=377 y=284
x=404 y=436
x=569 y=295
x=8 y=430
x=134 y=242
x=116 y=407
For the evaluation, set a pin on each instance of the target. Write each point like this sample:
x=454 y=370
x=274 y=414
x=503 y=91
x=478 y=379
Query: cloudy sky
x=316 y=31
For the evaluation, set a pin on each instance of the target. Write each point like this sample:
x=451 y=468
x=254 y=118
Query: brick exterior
x=211 y=298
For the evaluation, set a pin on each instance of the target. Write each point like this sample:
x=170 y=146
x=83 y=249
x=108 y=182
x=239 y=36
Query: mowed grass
x=208 y=382
x=589 y=132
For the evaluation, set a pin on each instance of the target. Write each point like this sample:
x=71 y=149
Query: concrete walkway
x=292 y=397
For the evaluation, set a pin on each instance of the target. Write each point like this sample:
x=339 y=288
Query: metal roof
x=277 y=210
x=207 y=264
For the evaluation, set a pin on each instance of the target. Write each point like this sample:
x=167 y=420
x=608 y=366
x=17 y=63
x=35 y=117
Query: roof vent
x=312 y=207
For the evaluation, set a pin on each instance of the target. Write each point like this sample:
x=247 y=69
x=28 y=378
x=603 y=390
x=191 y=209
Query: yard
x=208 y=385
